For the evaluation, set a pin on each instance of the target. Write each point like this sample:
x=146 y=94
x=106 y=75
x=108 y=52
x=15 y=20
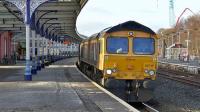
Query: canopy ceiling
x=56 y=17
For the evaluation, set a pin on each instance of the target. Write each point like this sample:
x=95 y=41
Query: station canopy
x=57 y=17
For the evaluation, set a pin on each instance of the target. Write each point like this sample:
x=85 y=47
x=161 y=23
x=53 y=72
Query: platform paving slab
x=58 y=88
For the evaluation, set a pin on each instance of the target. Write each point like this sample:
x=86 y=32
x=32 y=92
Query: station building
x=6 y=47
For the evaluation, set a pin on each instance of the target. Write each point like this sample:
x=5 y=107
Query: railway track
x=143 y=107
x=149 y=108
x=179 y=77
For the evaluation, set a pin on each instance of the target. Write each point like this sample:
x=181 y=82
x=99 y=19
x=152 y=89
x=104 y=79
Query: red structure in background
x=177 y=22
x=6 y=46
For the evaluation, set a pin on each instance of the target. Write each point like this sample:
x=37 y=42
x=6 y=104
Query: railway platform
x=57 y=88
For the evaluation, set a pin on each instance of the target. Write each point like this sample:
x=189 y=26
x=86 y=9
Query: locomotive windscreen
x=117 y=45
x=144 y=46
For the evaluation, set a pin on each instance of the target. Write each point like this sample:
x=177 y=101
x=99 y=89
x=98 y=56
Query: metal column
x=34 y=64
x=38 y=53
x=28 y=75
x=42 y=60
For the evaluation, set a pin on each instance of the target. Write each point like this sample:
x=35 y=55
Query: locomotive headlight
x=151 y=72
x=109 y=72
x=114 y=70
x=146 y=71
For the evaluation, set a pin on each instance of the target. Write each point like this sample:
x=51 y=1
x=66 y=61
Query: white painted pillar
x=38 y=53
x=52 y=47
x=57 y=48
x=28 y=42
x=28 y=75
x=33 y=43
x=42 y=45
x=34 y=64
x=46 y=47
x=38 y=45
x=60 y=47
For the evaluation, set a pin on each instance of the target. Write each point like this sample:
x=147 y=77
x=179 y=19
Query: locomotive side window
x=117 y=45
x=144 y=46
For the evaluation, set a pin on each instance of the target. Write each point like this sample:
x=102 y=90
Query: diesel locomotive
x=126 y=52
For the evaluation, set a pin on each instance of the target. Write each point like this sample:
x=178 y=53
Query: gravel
x=172 y=96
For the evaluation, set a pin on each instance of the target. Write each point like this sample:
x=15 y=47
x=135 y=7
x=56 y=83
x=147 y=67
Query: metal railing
x=189 y=67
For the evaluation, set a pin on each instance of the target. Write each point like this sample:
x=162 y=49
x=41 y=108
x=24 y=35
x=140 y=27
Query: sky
x=100 y=14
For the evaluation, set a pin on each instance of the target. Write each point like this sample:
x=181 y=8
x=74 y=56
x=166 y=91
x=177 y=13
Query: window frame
x=116 y=37
x=133 y=50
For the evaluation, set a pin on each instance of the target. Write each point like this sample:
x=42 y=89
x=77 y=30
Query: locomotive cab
x=130 y=57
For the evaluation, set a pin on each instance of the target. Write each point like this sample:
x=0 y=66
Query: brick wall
x=6 y=47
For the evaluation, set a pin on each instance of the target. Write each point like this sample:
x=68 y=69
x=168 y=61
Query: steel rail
x=173 y=76
x=149 y=108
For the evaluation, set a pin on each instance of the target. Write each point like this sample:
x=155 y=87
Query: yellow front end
x=130 y=67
